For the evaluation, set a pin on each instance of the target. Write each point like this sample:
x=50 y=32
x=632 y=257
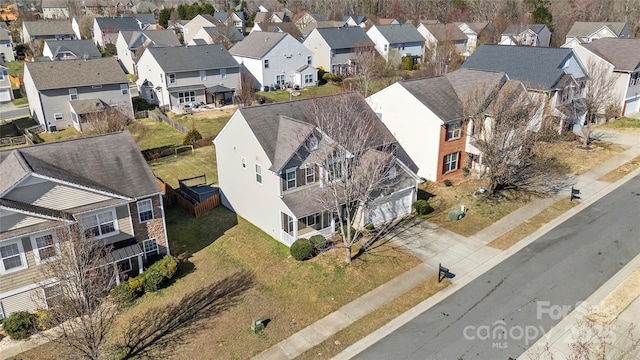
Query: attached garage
x=390 y=207
x=5 y=95
x=632 y=105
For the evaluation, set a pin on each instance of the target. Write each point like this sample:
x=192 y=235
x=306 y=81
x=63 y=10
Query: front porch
x=126 y=259
x=293 y=228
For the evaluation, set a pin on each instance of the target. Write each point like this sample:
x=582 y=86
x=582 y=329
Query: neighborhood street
x=510 y=307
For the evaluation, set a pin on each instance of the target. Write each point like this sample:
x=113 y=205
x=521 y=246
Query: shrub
x=447 y=182
x=318 y=242
x=326 y=76
x=124 y=294
x=422 y=207
x=466 y=171
x=18 y=325
x=336 y=78
x=301 y=249
x=166 y=267
x=137 y=284
x=369 y=227
x=44 y=319
x=140 y=104
x=152 y=280
x=192 y=136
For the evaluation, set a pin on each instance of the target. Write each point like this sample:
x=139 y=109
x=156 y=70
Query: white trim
x=20 y=211
x=96 y=215
x=36 y=249
x=295 y=178
x=144 y=250
x=21 y=254
x=20 y=290
x=164 y=225
x=151 y=208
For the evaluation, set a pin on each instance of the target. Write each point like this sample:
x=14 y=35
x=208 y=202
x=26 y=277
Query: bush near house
x=319 y=243
x=19 y=325
x=422 y=207
x=153 y=279
x=301 y=249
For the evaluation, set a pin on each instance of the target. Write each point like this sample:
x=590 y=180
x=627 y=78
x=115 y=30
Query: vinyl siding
x=23 y=277
x=55 y=196
x=24 y=301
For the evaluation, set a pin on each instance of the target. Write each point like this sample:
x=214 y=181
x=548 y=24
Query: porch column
x=115 y=270
x=295 y=228
x=140 y=265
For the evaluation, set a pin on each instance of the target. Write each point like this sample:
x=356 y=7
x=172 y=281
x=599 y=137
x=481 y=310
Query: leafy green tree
x=163 y=17
x=108 y=50
x=183 y=11
x=207 y=8
x=194 y=10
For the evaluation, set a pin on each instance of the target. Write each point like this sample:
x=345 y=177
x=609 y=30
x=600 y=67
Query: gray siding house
x=6 y=45
x=131 y=44
x=62 y=94
x=101 y=184
x=33 y=31
x=334 y=49
x=175 y=76
x=70 y=49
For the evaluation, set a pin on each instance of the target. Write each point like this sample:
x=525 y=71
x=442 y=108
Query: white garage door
x=632 y=106
x=390 y=207
x=5 y=95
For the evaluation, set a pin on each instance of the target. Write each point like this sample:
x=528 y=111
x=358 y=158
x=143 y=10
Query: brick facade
x=450 y=146
x=152 y=228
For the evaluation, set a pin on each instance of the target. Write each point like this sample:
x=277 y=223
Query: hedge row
x=156 y=276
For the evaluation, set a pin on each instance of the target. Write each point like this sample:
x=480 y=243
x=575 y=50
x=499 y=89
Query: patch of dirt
x=617 y=301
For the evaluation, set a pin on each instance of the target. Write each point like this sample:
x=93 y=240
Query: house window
x=393 y=172
x=12 y=255
x=186 y=97
x=280 y=79
x=223 y=73
x=52 y=295
x=308 y=79
x=386 y=47
x=635 y=79
x=291 y=178
x=203 y=75
x=100 y=224
x=312 y=219
x=124 y=89
x=2 y=75
x=454 y=130
x=308 y=59
x=151 y=96
x=266 y=63
x=310 y=174
x=451 y=162
x=145 y=210
x=313 y=143
x=259 y=173
x=150 y=247
x=57 y=116
x=335 y=170
x=244 y=162
x=45 y=247
x=124 y=265
x=73 y=94
x=172 y=78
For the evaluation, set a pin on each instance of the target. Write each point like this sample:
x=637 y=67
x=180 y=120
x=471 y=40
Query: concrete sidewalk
x=467 y=257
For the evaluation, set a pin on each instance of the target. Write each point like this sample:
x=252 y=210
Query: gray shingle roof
x=446 y=32
x=80 y=48
x=624 y=54
x=135 y=38
x=266 y=121
x=87 y=106
x=396 y=34
x=345 y=37
x=537 y=67
x=287 y=27
x=257 y=44
x=229 y=32
x=111 y=163
x=192 y=58
x=73 y=73
x=516 y=29
x=115 y=24
x=581 y=28
x=42 y=28
x=4 y=35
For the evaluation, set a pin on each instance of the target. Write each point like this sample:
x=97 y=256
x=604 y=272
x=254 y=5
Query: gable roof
x=115 y=24
x=228 y=32
x=257 y=44
x=79 y=48
x=345 y=37
x=624 y=54
x=72 y=73
x=111 y=163
x=192 y=58
x=582 y=28
x=358 y=19
x=517 y=29
x=288 y=27
x=4 y=35
x=134 y=38
x=443 y=94
x=536 y=66
x=446 y=32
x=478 y=27
x=404 y=33
x=41 y=28
x=272 y=124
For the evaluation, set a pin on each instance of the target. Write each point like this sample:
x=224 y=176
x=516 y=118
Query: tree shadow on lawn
x=380 y=244
x=154 y=333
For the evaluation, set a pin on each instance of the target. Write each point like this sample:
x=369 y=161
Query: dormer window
x=313 y=143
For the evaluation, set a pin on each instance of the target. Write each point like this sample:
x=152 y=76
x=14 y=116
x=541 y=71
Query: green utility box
x=257 y=325
x=455 y=215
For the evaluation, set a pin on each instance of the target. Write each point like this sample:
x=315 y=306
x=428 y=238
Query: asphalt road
x=502 y=312
x=14 y=113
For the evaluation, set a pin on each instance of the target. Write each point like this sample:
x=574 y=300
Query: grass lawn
x=621 y=171
x=20 y=101
x=623 y=124
x=530 y=226
x=308 y=92
x=187 y=165
x=482 y=211
x=579 y=161
x=150 y=134
x=363 y=327
x=66 y=134
x=16 y=68
x=208 y=123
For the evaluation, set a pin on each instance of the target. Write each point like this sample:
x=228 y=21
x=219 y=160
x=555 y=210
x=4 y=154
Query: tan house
x=101 y=184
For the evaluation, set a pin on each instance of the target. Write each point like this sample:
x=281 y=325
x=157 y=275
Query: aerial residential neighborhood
x=319 y=180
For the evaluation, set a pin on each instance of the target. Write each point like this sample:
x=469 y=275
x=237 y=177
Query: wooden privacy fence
x=176 y=197
x=159 y=116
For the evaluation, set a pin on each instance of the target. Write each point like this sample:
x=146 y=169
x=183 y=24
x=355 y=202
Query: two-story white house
x=275 y=59
x=335 y=49
x=101 y=184
x=526 y=34
x=174 y=76
x=276 y=156
x=60 y=93
x=191 y=28
x=585 y=32
x=621 y=56
x=394 y=42
x=131 y=44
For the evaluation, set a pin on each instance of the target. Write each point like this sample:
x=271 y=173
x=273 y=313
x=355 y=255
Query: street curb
x=412 y=313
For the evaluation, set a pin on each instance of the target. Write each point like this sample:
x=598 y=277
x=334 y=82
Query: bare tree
x=86 y=27
x=245 y=93
x=357 y=163
x=368 y=65
x=599 y=94
x=505 y=119
x=104 y=122
x=78 y=300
